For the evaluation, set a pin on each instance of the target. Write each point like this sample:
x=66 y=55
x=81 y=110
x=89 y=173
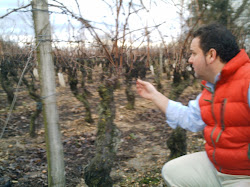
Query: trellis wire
x=18 y=85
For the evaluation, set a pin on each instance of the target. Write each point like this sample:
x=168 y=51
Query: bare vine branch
x=15 y=10
x=88 y=26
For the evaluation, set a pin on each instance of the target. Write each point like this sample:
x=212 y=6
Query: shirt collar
x=216 y=79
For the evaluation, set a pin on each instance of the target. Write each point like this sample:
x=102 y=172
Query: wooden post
x=54 y=148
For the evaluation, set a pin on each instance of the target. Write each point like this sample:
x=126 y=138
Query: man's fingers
x=139 y=81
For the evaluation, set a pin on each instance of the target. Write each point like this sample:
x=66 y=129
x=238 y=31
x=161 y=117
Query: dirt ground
x=140 y=157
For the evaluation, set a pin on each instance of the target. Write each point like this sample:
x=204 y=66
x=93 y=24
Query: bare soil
x=142 y=151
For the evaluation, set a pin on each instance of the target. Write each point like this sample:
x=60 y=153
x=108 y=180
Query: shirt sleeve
x=186 y=117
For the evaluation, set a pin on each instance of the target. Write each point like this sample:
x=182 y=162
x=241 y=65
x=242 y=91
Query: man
x=222 y=111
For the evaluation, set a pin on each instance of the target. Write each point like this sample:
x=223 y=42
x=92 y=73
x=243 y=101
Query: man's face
x=198 y=59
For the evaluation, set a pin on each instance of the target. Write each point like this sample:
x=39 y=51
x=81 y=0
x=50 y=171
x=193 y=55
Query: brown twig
x=15 y=10
x=186 y=40
x=124 y=33
x=89 y=27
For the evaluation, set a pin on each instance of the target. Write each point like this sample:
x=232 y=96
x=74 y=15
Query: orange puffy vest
x=226 y=113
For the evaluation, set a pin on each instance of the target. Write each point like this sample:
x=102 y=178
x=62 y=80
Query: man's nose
x=190 y=60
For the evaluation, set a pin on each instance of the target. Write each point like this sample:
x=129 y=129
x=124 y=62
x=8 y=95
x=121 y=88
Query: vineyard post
x=54 y=148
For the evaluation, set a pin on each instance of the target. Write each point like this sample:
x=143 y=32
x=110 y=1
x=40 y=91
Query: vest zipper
x=223 y=107
x=211 y=135
x=248 y=151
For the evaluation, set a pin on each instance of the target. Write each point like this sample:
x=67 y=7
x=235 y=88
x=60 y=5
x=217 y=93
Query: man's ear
x=211 y=55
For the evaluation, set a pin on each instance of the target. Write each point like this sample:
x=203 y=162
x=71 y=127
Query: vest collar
x=230 y=68
x=234 y=64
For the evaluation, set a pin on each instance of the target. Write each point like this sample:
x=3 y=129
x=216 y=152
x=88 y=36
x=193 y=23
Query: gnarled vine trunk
x=6 y=83
x=177 y=140
x=36 y=97
x=83 y=96
x=97 y=173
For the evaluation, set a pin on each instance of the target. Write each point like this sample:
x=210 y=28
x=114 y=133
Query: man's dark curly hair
x=219 y=38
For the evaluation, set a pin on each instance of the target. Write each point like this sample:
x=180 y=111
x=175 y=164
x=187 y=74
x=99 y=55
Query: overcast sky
x=96 y=11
